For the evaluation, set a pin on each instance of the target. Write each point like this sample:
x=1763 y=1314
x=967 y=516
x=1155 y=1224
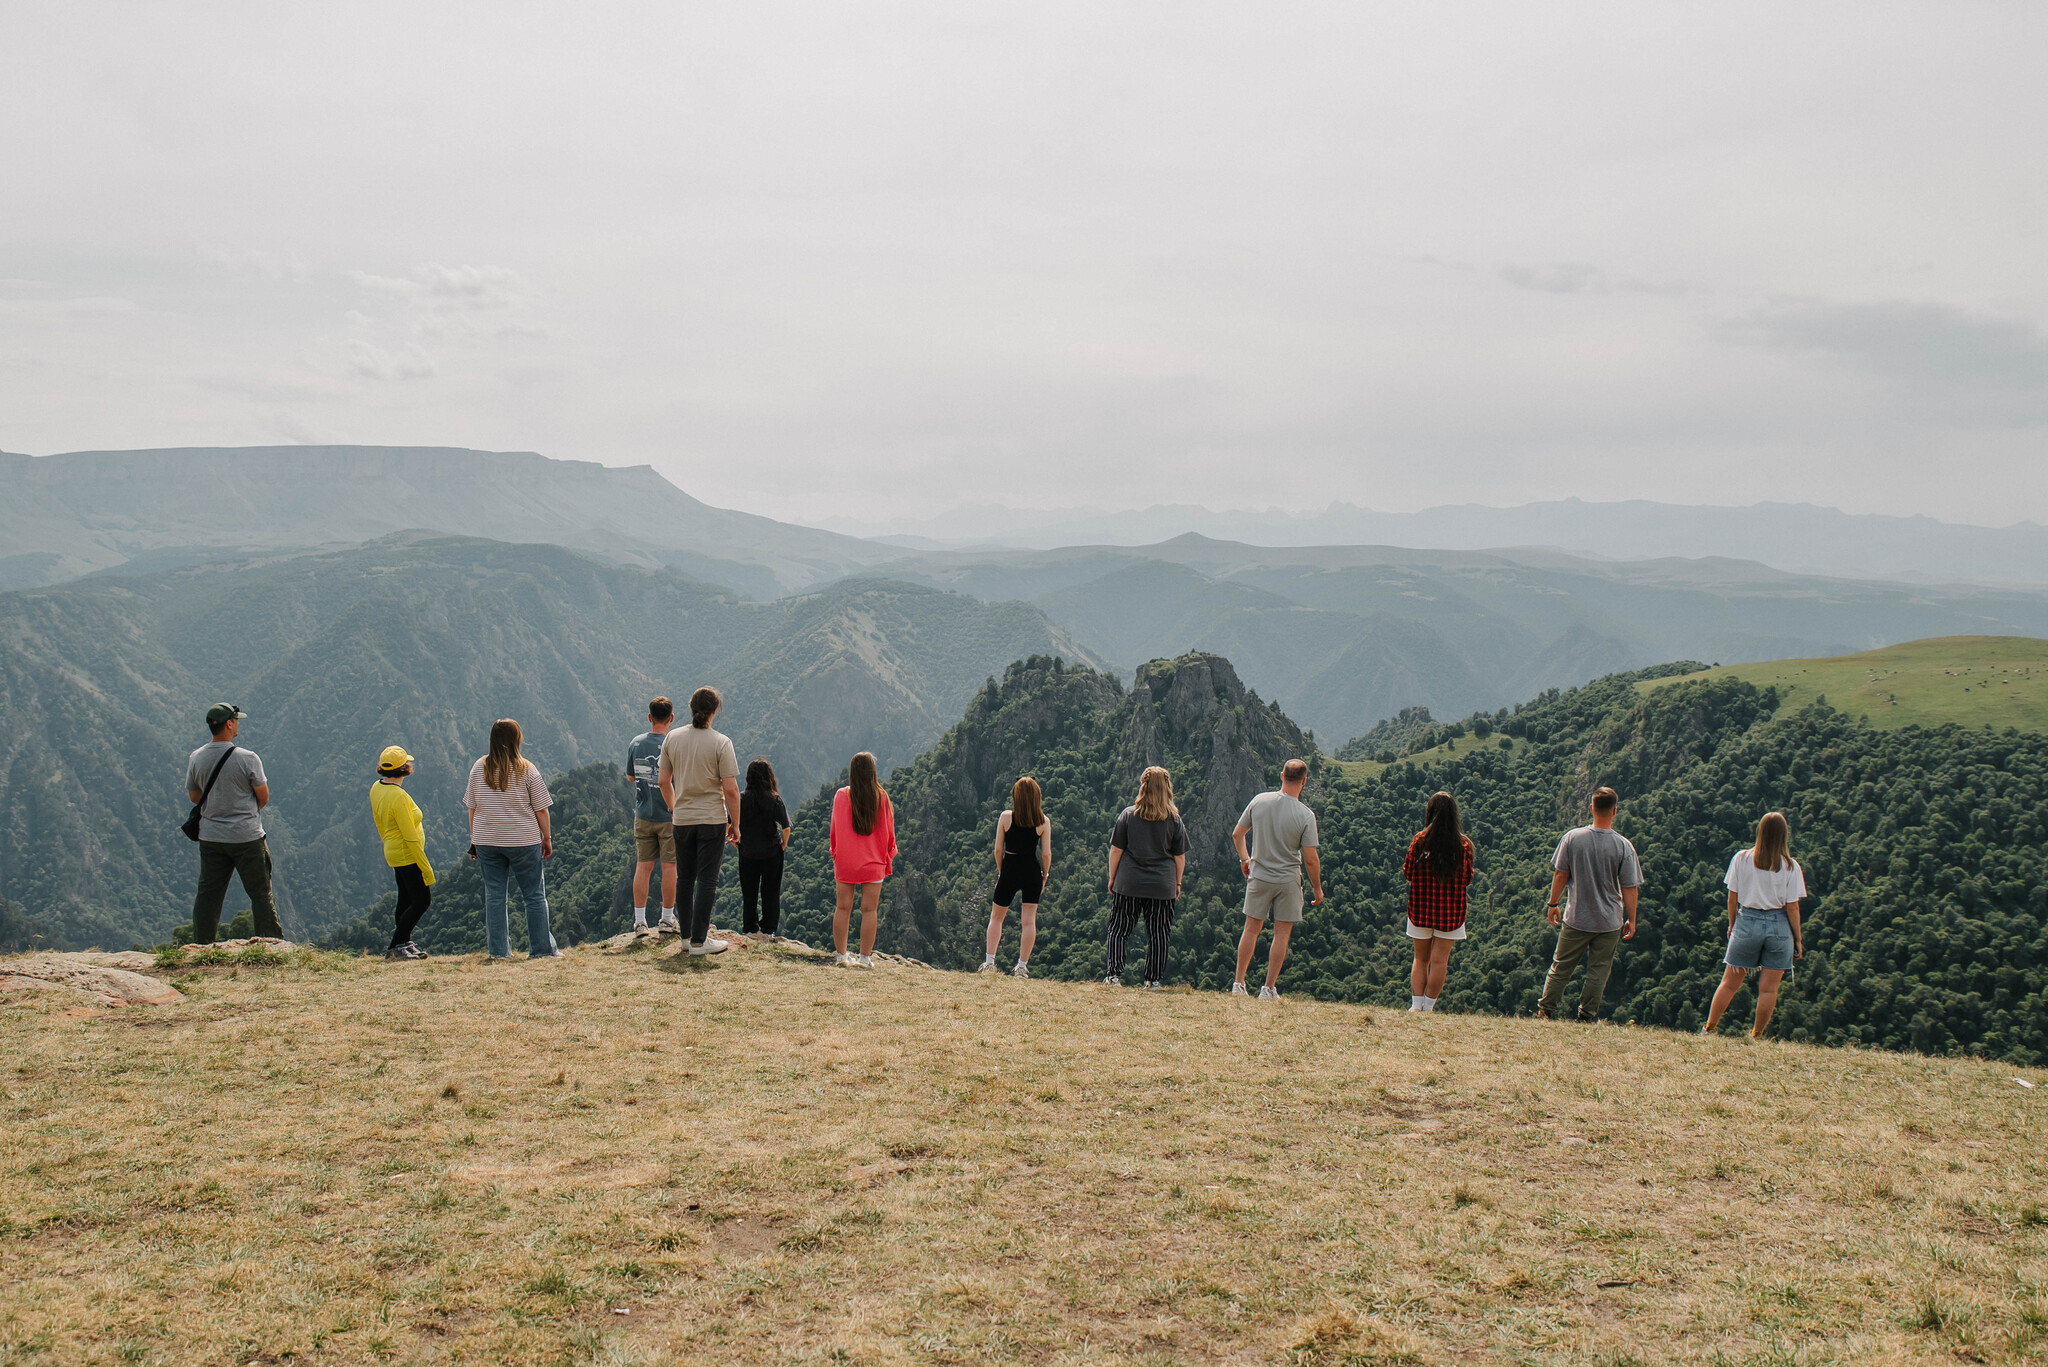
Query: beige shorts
x=1272 y=901
x=1416 y=932
x=654 y=842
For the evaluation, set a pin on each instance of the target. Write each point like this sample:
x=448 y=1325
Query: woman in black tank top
x=1023 y=855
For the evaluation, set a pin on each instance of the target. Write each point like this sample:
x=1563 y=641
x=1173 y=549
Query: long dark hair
x=761 y=776
x=1443 y=838
x=503 y=763
x=864 y=793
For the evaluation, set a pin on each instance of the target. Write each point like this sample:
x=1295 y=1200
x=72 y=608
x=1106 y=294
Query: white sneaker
x=1237 y=990
x=1151 y=986
x=668 y=924
x=867 y=961
x=1267 y=994
x=987 y=966
x=1112 y=981
x=1020 y=971
x=710 y=947
x=849 y=960
x=640 y=924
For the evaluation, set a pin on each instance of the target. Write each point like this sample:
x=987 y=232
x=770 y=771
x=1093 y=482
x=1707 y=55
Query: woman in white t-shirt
x=1764 y=888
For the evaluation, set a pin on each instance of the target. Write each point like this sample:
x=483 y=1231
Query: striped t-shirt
x=506 y=818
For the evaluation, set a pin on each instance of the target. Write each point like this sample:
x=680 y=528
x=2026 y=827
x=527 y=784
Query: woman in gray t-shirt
x=1148 y=852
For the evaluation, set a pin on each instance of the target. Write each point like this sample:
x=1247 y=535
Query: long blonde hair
x=864 y=795
x=1773 y=843
x=1155 y=795
x=503 y=763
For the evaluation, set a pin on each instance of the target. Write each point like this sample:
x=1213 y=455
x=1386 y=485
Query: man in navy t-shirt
x=654 y=833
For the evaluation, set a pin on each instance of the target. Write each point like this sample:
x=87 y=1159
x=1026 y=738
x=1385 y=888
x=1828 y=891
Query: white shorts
x=1416 y=932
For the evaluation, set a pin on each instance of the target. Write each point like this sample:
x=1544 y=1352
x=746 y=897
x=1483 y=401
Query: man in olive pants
x=231 y=839
x=1598 y=866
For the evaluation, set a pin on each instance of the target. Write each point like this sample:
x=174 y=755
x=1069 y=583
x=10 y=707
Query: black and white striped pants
x=1123 y=914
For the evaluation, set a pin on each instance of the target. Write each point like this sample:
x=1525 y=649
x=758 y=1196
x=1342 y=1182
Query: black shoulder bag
x=190 y=826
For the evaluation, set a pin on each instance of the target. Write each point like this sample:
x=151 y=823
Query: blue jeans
x=499 y=864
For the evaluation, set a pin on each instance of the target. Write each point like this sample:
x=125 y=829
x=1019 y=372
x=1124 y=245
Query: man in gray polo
x=1283 y=842
x=1598 y=866
x=230 y=826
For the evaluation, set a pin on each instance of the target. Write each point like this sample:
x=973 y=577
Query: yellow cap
x=393 y=759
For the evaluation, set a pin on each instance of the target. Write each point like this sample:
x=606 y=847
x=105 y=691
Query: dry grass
x=765 y=1160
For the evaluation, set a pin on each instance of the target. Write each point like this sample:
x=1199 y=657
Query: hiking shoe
x=395 y=953
x=1020 y=971
x=668 y=925
x=1544 y=1016
x=412 y=951
x=709 y=947
x=867 y=961
x=1267 y=994
x=1237 y=990
x=1151 y=986
x=848 y=960
x=1112 y=981
x=987 y=966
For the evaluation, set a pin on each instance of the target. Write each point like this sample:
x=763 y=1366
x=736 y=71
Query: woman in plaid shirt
x=1438 y=869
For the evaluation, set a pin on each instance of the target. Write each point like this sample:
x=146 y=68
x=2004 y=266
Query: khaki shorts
x=654 y=842
x=1272 y=901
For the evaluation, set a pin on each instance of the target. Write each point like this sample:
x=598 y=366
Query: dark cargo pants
x=218 y=862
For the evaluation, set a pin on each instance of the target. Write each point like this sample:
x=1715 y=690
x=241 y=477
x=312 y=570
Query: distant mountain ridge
x=84 y=511
x=1800 y=538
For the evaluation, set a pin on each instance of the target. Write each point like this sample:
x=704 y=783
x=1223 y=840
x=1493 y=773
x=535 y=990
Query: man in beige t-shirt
x=700 y=781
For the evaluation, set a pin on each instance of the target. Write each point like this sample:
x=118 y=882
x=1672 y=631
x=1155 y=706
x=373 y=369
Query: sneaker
x=395 y=953
x=1151 y=986
x=1112 y=981
x=1267 y=994
x=1237 y=990
x=412 y=951
x=849 y=960
x=710 y=947
x=1020 y=971
x=987 y=966
x=668 y=925
x=551 y=954
x=867 y=961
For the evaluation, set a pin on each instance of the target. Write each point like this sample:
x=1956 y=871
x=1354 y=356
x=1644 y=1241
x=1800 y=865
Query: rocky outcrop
x=93 y=983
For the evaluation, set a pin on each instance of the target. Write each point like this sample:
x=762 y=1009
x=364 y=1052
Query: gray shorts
x=1272 y=901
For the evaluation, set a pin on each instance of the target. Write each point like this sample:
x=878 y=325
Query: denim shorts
x=1761 y=939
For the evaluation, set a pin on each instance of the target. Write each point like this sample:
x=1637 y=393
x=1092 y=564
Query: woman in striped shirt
x=1438 y=869
x=508 y=834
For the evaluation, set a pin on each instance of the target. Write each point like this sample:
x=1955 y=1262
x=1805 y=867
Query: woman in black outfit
x=1148 y=854
x=1023 y=859
x=764 y=834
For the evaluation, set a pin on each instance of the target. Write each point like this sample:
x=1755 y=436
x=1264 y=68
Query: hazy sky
x=873 y=258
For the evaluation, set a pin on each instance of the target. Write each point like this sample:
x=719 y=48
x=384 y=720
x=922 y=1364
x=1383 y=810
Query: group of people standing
x=689 y=808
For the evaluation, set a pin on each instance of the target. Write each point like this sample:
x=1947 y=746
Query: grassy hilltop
x=1995 y=681
x=761 y=1158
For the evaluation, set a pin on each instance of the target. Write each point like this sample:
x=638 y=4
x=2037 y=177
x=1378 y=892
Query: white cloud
x=374 y=363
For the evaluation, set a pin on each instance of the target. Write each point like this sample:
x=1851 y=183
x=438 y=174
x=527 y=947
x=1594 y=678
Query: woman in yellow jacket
x=405 y=848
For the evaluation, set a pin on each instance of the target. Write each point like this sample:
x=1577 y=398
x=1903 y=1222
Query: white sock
x=1023 y=963
x=1415 y=1002
x=1429 y=1003
x=639 y=917
x=988 y=959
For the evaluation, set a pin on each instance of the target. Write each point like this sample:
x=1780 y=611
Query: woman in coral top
x=863 y=849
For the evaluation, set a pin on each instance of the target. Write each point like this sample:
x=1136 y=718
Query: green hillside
x=1995 y=681
x=423 y=641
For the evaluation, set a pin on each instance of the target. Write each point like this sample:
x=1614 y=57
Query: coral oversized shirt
x=860 y=858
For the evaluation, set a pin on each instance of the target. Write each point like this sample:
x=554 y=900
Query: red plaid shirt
x=1432 y=903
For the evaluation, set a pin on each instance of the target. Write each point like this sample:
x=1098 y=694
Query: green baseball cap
x=221 y=713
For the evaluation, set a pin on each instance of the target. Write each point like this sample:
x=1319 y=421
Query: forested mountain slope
x=421 y=641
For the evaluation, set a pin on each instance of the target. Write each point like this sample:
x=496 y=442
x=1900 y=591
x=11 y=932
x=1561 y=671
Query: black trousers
x=699 y=851
x=414 y=897
x=761 y=889
x=220 y=861
x=1123 y=914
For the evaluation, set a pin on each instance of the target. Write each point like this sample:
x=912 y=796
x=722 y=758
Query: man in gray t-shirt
x=1282 y=832
x=1597 y=866
x=231 y=842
